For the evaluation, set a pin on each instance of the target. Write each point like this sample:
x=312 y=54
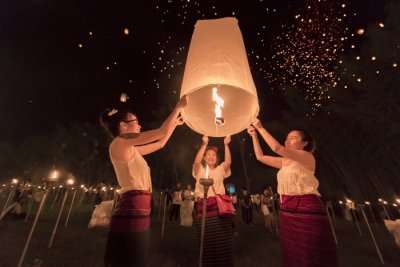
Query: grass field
x=77 y=246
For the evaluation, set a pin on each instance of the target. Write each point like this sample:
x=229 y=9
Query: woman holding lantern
x=218 y=236
x=128 y=239
x=305 y=234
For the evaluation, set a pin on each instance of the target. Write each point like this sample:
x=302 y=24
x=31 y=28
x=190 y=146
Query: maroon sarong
x=132 y=212
x=218 y=235
x=211 y=209
x=305 y=234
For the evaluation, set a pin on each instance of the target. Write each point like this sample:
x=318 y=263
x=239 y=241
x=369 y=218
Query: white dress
x=187 y=208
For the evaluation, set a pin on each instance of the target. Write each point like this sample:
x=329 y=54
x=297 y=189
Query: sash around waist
x=305 y=204
x=134 y=203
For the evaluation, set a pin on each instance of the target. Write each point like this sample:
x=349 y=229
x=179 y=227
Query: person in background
x=176 y=203
x=266 y=209
x=246 y=206
x=187 y=206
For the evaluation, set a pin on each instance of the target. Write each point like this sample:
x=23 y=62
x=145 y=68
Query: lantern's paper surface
x=217 y=58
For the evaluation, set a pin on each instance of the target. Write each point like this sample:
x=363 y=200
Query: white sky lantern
x=222 y=97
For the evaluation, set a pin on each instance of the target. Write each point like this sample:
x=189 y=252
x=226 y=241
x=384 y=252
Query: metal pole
x=386 y=212
x=28 y=213
x=330 y=206
x=55 y=198
x=28 y=240
x=206 y=183
x=70 y=208
x=58 y=220
x=372 y=213
x=275 y=215
x=164 y=217
x=331 y=224
x=372 y=235
x=353 y=211
x=8 y=200
x=160 y=206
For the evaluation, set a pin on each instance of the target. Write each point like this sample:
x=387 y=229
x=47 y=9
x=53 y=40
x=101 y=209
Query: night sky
x=65 y=61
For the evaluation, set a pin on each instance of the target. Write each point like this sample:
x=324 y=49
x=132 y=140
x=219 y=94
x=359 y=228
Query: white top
x=218 y=174
x=295 y=179
x=177 y=197
x=133 y=174
x=187 y=194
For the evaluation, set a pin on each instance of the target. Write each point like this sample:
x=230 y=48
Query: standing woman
x=187 y=206
x=128 y=239
x=306 y=238
x=218 y=237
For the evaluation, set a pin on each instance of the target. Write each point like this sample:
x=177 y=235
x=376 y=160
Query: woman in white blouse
x=305 y=234
x=218 y=238
x=129 y=236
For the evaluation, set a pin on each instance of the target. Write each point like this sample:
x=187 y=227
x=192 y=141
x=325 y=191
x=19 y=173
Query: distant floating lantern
x=126 y=31
x=381 y=24
x=124 y=97
x=360 y=31
x=222 y=97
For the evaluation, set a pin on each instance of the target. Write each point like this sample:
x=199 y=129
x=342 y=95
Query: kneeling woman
x=306 y=238
x=128 y=239
x=218 y=237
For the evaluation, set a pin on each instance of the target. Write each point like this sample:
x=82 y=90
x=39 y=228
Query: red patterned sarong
x=306 y=237
x=132 y=213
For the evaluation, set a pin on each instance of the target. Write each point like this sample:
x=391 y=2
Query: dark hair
x=306 y=137
x=111 y=118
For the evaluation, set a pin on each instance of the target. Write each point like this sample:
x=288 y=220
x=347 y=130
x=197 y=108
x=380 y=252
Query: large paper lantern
x=217 y=80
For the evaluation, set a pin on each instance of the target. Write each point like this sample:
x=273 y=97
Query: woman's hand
x=257 y=124
x=227 y=140
x=205 y=140
x=251 y=131
x=182 y=103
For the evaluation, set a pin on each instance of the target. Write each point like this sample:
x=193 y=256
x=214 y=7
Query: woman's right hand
x=205 y=139
x=182 y=103
x=257 y=124
x=251 y=131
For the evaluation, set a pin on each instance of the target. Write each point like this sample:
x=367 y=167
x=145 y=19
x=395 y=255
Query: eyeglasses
x=128 y=121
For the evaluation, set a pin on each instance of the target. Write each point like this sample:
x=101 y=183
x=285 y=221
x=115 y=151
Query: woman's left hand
x=182 y=103
x=227 y=140
x=257 y=124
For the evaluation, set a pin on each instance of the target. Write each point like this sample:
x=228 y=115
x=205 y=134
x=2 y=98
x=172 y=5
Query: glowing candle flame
x=206 y=171
x=219 y=104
